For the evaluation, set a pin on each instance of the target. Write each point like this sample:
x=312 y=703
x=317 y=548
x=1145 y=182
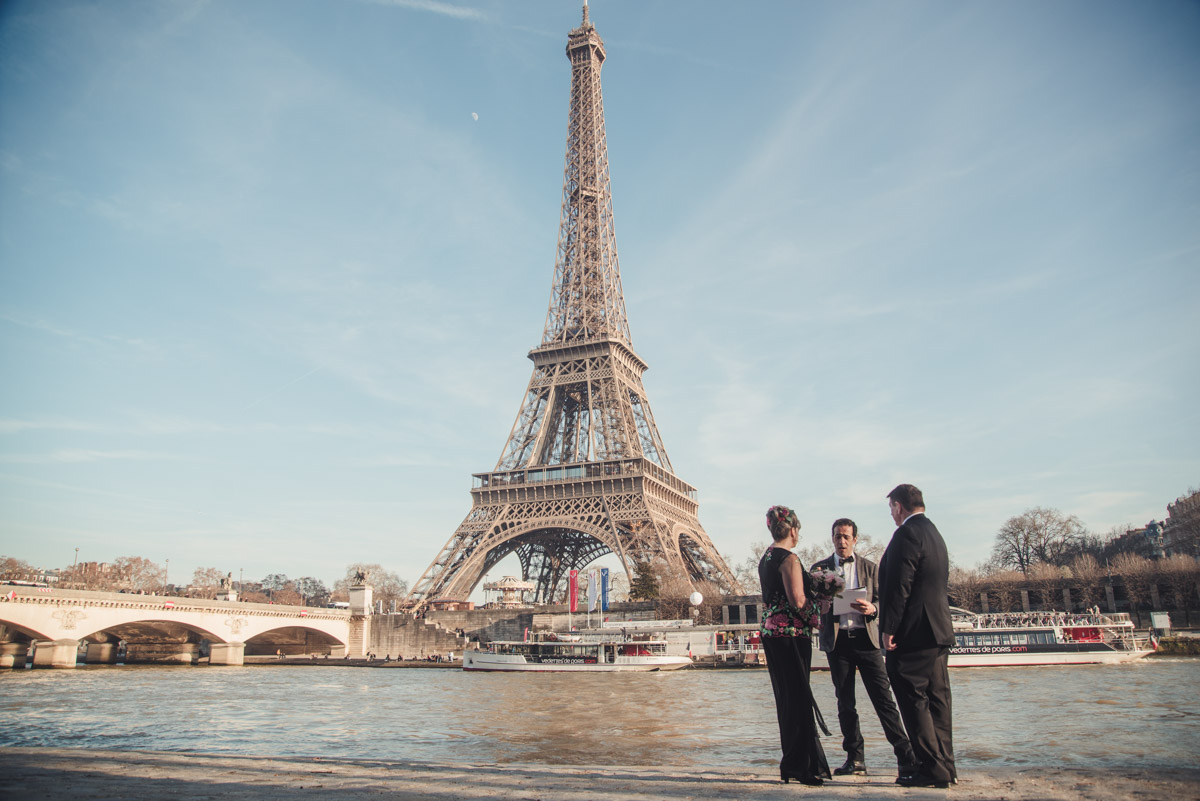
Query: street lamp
x=167 y=577
x=75 y=570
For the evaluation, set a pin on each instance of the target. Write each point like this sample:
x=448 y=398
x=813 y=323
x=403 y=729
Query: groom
x=914 y=619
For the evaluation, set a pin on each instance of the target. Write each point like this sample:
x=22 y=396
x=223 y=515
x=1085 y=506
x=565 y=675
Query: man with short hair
x=914 y=619
x=851 y=643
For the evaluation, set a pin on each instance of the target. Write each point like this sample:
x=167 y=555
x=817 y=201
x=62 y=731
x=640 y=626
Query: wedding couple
x=905 y=612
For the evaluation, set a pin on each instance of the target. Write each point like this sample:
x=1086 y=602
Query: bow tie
x=847 y=560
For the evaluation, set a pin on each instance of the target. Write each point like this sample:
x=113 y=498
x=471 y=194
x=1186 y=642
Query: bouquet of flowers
x=827 y=584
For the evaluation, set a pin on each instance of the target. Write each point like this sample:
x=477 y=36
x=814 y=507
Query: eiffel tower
x=584 y=472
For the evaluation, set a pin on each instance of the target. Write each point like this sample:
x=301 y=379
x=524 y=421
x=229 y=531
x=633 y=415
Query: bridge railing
x=57 y=597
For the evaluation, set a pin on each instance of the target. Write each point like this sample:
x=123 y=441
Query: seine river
x=1143 y=714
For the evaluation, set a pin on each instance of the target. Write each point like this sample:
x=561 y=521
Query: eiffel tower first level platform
x=584 y=472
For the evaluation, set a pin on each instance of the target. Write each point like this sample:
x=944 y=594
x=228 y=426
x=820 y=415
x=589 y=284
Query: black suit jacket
x=831 y=623
x=913 y=575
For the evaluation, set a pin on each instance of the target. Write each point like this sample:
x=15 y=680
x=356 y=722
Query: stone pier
x=55 y=653
x=101 y=653
x=13 y=654
x=227 y=653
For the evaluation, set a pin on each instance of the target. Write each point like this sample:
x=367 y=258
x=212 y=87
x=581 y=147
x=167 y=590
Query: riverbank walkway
x=111 y=775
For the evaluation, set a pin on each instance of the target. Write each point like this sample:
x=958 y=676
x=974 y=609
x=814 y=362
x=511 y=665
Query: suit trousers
x=921 y=680
x=788 y=662
x=853 y=652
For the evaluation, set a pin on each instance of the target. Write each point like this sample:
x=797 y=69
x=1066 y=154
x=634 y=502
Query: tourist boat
x=1043 y=638
x=551 y=652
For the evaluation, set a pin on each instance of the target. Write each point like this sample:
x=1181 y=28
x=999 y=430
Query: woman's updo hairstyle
x=781 y=520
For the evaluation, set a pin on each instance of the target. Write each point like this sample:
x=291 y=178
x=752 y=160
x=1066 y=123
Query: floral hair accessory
x=781 y=513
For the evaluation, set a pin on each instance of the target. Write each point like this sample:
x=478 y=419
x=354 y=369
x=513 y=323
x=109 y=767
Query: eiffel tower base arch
x=562 y=527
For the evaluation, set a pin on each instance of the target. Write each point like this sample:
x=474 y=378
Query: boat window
x=1004 y=640
x=1020 y=639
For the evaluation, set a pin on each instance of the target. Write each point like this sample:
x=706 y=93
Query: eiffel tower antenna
x=584 y=472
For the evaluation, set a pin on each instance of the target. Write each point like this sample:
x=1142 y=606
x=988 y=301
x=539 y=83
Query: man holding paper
x=850 y=640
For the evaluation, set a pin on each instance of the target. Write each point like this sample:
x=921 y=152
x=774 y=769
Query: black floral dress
x=786 y=633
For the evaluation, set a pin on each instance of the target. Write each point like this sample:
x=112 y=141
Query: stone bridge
x=58 y=624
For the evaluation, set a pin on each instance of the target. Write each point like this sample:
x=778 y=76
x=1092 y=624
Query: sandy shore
x=66 y=773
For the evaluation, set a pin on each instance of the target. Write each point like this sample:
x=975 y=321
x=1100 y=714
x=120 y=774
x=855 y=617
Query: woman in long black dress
x=788 y=621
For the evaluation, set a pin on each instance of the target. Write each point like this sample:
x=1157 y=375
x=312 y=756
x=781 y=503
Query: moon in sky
x=474 y=116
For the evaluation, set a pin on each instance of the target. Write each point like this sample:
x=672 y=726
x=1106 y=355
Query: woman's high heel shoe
x=811 y=781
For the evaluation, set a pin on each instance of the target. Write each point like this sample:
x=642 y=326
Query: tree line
x=137 y=574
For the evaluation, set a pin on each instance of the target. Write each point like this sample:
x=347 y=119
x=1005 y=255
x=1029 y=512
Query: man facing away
x=914 y=619
x=851 y=643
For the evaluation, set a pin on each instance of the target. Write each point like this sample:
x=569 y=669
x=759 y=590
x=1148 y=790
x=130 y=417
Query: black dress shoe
x=918 y=780
x=851 y=768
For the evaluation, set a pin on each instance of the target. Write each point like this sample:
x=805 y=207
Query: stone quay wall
x=437 y=632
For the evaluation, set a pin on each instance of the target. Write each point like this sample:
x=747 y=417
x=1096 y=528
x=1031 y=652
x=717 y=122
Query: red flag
x=573 y=592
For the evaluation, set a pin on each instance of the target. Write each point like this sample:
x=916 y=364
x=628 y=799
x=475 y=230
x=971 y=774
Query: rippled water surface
x=1145 y=713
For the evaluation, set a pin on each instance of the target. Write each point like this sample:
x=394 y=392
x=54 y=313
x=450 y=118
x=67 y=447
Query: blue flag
x=604 y=589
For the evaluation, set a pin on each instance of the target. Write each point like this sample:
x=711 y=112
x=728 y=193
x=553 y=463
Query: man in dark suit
x=914 y=619
x=851 y=642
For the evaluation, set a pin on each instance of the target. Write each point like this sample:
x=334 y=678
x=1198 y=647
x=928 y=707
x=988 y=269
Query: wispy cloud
x=12 y=426
x=434 y=7
x=106 y=341
x=76 y=455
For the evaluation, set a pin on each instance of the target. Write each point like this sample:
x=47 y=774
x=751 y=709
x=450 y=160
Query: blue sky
x=267 y=286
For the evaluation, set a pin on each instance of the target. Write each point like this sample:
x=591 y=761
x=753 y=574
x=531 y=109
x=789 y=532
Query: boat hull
x=513 y=663
x=1045 y=658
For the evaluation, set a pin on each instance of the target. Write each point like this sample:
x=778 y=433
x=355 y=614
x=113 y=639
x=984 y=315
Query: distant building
x=1182 y=533
x=1146 y=541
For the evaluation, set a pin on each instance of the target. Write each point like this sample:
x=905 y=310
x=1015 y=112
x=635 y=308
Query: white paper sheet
x=841 y=606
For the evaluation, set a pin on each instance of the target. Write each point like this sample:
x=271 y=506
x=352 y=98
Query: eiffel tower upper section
x=587 y=315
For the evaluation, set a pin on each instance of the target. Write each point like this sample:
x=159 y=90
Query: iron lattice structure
x=584 y=472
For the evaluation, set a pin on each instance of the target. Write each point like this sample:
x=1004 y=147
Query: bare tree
x=1047 y=578
x=287 y=596
x=1136 y=574
x=386 y=585
x=675 y=588
x=312 y=589
x=964 y=588
x=1006 y=588
x=275 y=582
x=207 y=580
x=1085 y=579
x=810 y=554
x=746 y=571
x=868 y=547
x=1181 y=573
x=139 y=574
x=1036 y=535
x=15 y=569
